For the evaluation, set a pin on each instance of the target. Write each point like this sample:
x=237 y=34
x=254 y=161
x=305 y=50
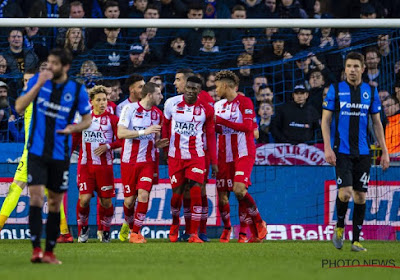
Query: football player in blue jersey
x=55 y=99
x=346 y=110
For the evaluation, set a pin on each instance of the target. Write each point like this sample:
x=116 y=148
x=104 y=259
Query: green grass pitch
x=159 y=259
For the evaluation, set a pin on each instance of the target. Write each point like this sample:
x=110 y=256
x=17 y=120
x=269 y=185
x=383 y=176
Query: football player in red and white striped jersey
x=187 y=117
x=234 y=117
x=95 y=172
x=140 y=126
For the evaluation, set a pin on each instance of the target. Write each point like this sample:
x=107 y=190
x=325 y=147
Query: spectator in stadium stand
x=254 y=8
x=75 y=11
x=158 y=80
x=139 y=6
x=249 y=41
x=391 y=107
x=387 y=54
x=277 y=51
x=35 y=39
x=110 y=56
x=3 y=65
x=75 y=42
x=193 y=36
x=10 y=9
x=216 y=9
x=291 y=9
x=304 y=39
x=296 y=122
x=264 y=94
x=19 y=58
x=88 y=73
x=137 y=56
x=172 y=9
x=257 y=82
x=367 y=8
x=209 y=52
x=317 y=84
x=374 y=74
x=49 y=9
x=5 y=112
x=397 y=90
x=95 y=35
x=335 y=60
x=213 y=93
x=245 y=72
x=264 y=117
x=324 y=38
x=271 y=9
x=177 y=50
x=134 y=83
x=227 y=37
x=383 y=94
x=210 y=80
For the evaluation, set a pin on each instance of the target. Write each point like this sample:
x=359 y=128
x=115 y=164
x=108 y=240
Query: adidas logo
x=114 y=59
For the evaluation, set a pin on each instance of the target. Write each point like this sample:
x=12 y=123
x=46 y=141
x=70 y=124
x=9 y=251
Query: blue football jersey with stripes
x=53 y=109
x=351 y=107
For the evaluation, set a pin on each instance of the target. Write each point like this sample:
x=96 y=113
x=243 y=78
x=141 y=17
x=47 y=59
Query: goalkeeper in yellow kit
x=21 y=177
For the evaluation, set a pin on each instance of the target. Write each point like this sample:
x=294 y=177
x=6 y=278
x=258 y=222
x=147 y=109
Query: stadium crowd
x=276 y=67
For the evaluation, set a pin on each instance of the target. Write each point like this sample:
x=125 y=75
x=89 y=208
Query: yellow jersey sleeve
x=27 y=121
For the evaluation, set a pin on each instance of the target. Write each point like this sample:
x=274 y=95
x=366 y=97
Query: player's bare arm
x=125 y=133
x=326 y=135
x=378 y=128
x=74 y=128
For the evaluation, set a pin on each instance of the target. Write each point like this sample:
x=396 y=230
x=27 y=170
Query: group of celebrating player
x=187 y=132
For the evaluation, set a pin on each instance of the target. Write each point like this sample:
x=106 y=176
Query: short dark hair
x=195 y=6
x=64 y=55
x=186 y=72
x=109 y=4
x=356 y=56
x=151 y=7
x=15 y=29
x=195 y=79
x=372 y=49
x=391 y=97
x=149 y=88
x=133 y=79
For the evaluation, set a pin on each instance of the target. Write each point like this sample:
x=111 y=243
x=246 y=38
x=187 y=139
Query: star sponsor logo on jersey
x=94 y=136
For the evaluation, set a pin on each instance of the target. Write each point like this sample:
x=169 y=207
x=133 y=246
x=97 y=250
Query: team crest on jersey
x=234 y=107
x=103 y=120
x=153 y=115
x=197 y=111
x=365 y=95
x=68 y=97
